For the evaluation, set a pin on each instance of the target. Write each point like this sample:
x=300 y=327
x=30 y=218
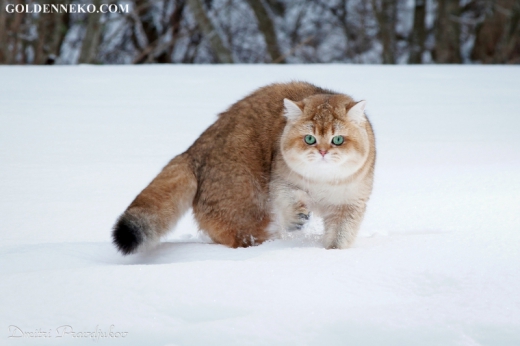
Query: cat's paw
x=333 y=241
x=298 y=217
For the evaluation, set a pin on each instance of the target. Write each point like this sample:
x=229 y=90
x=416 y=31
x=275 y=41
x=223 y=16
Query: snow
x=437 y=261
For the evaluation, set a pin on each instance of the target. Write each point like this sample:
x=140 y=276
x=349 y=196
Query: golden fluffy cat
x=268 y=161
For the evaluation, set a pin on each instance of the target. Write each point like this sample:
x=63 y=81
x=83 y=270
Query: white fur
x=291 y=109
x=325 y=195
x=357 y=113
x=319 y=180
x=325 y=169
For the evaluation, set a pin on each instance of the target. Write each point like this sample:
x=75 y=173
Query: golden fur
x=235 y=175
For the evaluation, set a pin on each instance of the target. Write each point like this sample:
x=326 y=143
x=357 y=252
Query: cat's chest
x=333 y=194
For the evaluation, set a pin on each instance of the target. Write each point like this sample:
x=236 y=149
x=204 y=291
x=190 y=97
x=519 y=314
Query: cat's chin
x=323 y=166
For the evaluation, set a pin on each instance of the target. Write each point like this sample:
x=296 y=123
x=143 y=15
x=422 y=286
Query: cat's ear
x=357 y=112
x=291 y=109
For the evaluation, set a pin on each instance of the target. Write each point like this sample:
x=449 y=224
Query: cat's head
x=325 y=137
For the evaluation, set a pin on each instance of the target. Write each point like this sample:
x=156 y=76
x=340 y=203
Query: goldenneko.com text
x=69 y=8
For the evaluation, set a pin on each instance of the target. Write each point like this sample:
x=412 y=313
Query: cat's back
x=266 y=103
x=261 y=111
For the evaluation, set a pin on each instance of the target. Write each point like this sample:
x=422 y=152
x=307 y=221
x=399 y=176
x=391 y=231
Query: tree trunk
x=209 y=31
x=92 y=37
x=3 y=33
x=266 y=26
x=386 y=15
x=512 y=45
x=58 y=35
x=41 y=24
x=498 y=37
x=447 y=33
x=418 y=35
x=15 y=41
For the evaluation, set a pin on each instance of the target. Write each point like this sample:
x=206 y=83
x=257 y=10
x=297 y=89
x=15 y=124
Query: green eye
x=309 y=139
x=338 y=140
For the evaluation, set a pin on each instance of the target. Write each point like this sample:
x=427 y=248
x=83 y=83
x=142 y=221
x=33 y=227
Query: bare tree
x=174 y=24
x=266 y=26
x=418 y=35
x=4 y=49
x=386 y=15
x=498 y=35
x=210 y=32
x=252 y=31
x=91 y=41
x=12 y=34
x=447 y=33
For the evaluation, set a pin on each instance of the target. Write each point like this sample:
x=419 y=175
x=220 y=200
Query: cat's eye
x=338 y=140
x=309 y=139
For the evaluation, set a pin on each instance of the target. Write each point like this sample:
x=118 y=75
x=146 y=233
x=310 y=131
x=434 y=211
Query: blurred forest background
x=267 y=31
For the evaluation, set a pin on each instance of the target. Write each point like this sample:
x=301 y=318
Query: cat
x=271 y=159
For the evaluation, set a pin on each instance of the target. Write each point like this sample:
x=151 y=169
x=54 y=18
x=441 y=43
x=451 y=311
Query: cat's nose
x=323 y=152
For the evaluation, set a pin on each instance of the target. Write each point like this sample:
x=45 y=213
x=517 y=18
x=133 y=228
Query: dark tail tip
x=126 y=236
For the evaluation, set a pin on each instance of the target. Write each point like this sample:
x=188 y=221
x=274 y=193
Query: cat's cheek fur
x=317 y=168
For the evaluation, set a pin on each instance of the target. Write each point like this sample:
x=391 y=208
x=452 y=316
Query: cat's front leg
x=342 y=225
x=290 y=206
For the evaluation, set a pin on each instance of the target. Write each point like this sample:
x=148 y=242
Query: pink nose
x=323 y=152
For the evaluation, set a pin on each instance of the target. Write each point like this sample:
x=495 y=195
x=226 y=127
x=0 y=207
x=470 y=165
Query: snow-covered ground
x=437 y=261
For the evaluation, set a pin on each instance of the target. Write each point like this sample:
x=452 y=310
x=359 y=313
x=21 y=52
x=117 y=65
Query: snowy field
x=437 y=261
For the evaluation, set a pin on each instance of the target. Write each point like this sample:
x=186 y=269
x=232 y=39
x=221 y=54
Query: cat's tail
x=158 y=207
